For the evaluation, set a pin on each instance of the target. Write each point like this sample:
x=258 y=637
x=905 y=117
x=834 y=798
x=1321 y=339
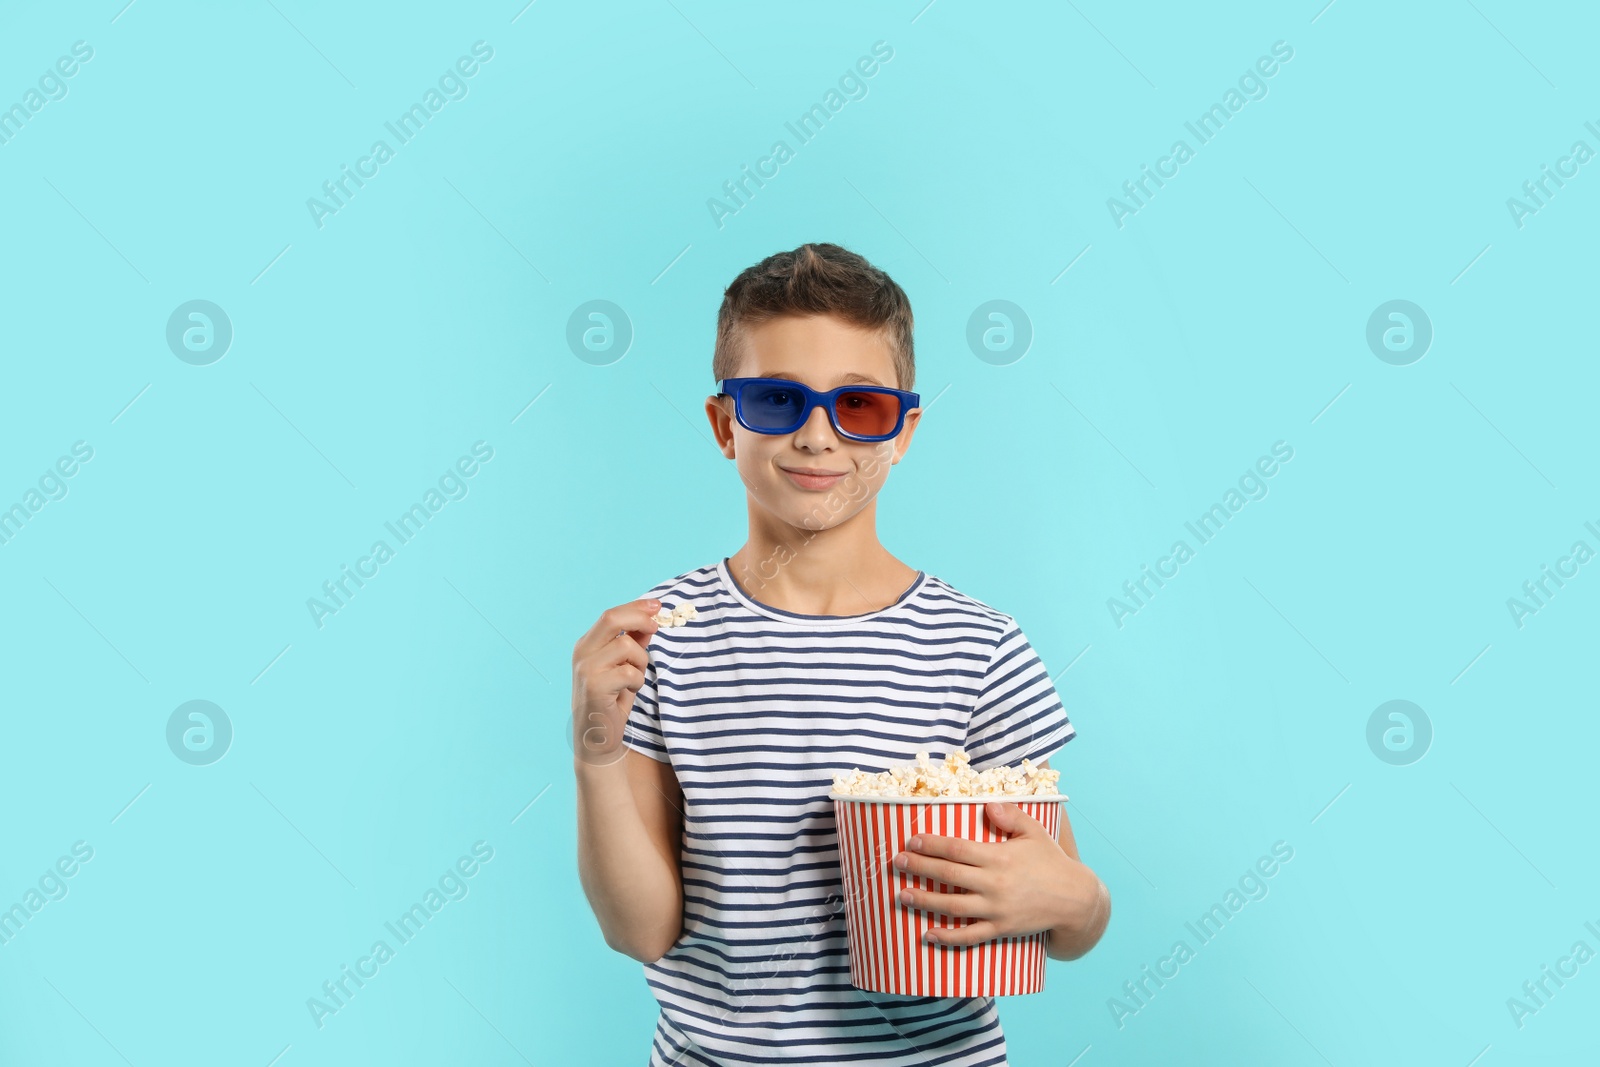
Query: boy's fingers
x=635 y=617
x=641 y=637
x=974 y=934
x=624 y=676
x=951 y=848
x=957 y=905
x=958 y=874
x=632 y=652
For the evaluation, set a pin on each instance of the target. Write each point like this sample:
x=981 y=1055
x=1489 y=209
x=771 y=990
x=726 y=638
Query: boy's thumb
x=1007 y=817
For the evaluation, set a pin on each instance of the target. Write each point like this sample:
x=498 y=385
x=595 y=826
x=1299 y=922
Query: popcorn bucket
x=887 y=952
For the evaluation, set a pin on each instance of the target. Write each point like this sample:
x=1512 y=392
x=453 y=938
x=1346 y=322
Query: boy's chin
x=791 y=507
x=811 y=516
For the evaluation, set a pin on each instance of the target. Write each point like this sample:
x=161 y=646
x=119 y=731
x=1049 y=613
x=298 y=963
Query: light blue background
x=426 y=315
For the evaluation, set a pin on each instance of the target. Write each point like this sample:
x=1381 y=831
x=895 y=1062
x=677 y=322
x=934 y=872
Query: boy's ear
x=903 y=442
x=721 y=424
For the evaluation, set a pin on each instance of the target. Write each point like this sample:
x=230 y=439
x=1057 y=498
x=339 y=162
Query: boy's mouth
x=812 y=477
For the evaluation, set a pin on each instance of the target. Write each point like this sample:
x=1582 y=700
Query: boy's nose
x=816 y=429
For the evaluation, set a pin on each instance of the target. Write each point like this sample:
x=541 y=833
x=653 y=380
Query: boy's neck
x=839 y=571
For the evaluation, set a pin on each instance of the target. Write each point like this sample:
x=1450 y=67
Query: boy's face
x=823 y=352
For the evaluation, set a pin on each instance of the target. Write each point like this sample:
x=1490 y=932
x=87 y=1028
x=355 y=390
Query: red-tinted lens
x=867 y=414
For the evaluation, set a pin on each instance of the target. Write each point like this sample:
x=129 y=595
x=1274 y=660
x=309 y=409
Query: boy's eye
x=780 y=399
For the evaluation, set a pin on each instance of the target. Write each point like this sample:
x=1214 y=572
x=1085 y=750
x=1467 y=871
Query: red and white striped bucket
x=887 y=952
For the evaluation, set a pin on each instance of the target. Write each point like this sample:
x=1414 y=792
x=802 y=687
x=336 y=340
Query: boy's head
x=823 y=316
x=814 y=279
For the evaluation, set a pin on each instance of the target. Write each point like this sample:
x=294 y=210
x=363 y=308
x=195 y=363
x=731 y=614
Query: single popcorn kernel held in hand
x=677 y=616
x=952 y=777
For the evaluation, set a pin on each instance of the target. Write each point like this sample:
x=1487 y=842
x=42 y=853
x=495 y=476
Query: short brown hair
x=815 y=279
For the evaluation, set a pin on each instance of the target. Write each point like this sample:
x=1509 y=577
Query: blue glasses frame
x=734 y=387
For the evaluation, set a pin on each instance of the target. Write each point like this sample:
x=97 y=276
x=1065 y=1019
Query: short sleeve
x=642 y=731
x=1018 y=713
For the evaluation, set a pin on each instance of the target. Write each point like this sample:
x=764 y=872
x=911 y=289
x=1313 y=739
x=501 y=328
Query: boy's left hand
x=1023 y=885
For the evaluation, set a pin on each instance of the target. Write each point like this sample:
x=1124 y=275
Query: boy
x=704 y=752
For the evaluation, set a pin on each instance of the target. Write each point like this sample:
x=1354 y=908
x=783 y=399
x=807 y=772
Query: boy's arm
x=630 y=831
x=629 y=827
x=1072 y=940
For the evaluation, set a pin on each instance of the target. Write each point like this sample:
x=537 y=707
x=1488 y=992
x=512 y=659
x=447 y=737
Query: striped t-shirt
x=756 y=708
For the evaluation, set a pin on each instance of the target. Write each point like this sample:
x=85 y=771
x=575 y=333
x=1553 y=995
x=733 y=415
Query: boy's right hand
x=608 y=665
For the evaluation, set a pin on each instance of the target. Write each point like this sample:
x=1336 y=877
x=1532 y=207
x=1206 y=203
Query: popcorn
x=950 y=778
x=677 y=616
